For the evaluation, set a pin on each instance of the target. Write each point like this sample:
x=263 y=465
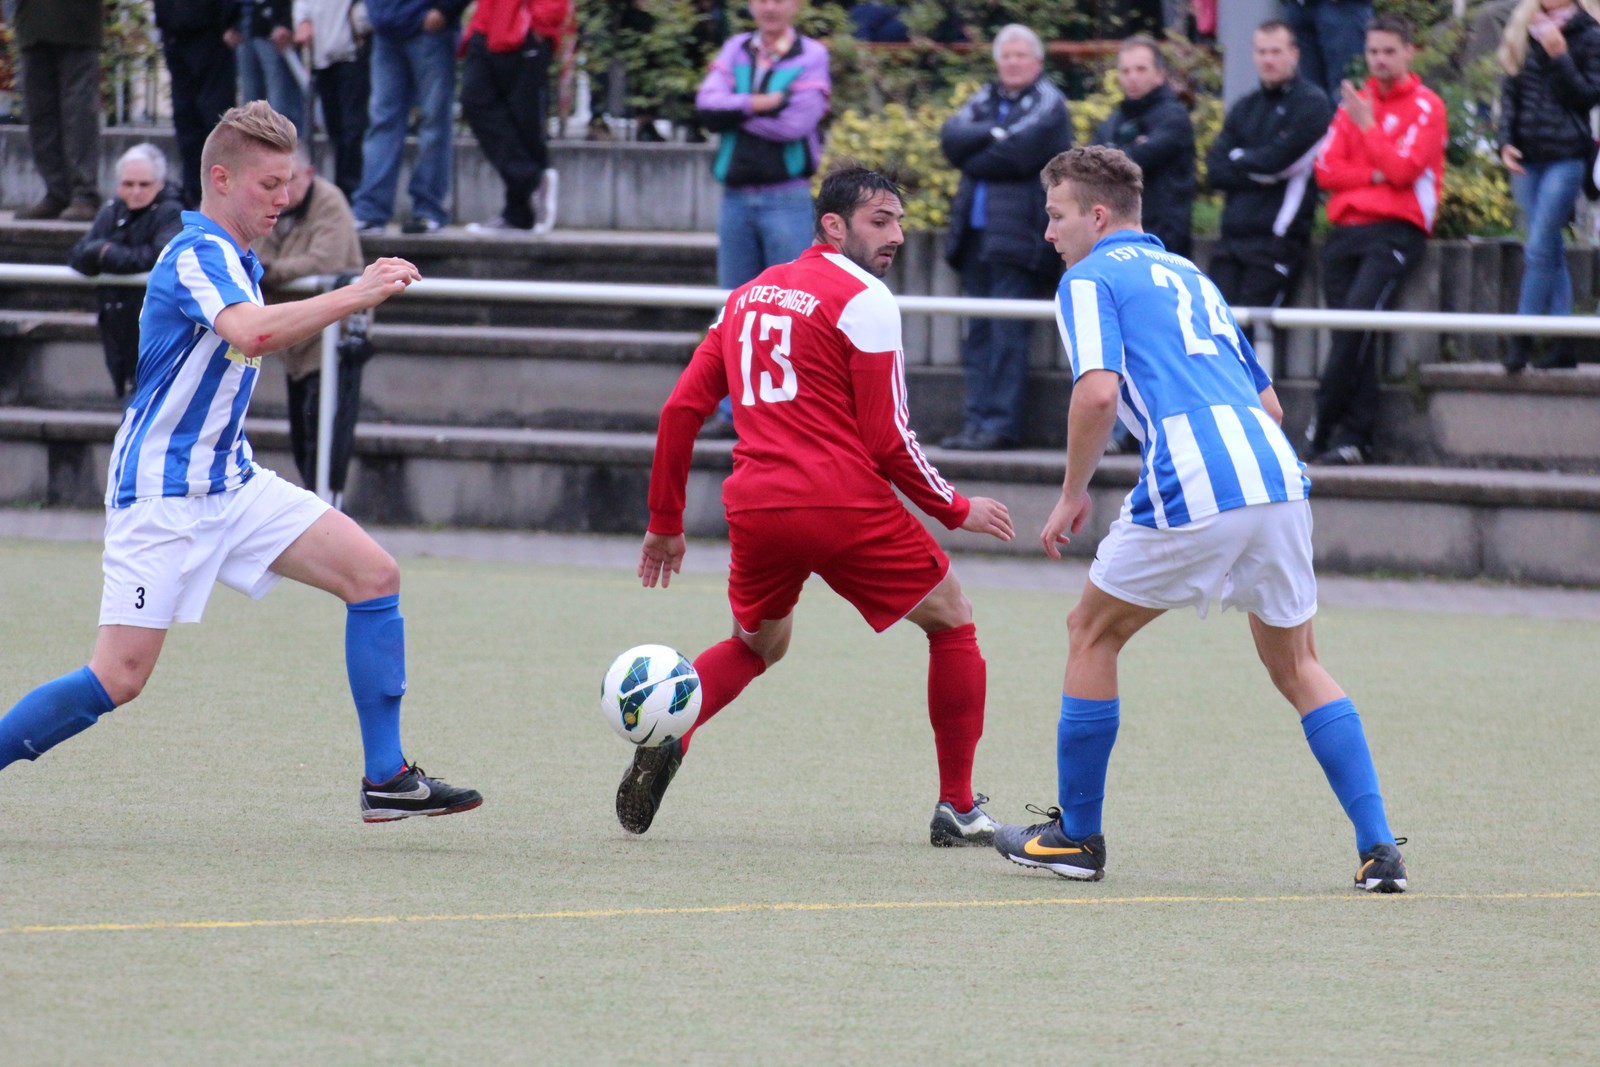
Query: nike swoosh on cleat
x=421 y=792
x=27 y=744
x=1033 y=848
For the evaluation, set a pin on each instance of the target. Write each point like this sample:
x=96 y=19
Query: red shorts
x=881 y=560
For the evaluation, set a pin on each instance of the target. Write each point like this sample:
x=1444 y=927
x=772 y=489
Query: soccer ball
x=651 y=695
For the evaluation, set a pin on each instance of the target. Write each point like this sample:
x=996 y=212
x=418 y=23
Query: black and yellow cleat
x=1382 y=869
x=1047 y=846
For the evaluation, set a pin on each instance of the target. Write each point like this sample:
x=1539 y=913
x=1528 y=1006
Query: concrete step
x=1478 y=414
x=1532 y=526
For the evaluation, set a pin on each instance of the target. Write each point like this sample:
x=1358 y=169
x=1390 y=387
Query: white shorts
x=164 y=555
x=1255 y=559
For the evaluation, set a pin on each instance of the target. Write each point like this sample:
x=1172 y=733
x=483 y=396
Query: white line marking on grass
x=734 y=909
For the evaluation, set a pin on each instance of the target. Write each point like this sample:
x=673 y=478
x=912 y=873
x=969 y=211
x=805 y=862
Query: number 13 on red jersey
x=773 y=335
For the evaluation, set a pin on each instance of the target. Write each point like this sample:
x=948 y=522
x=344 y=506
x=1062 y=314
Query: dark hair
x=1140 y=40
x=1274 y=25
x=1395 y=24
x=1099 y=174
x=846 y=186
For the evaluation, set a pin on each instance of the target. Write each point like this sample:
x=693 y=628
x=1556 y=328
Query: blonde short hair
x=1099 y=175
x=241 y=130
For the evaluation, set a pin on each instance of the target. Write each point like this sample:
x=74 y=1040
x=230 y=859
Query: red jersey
x=811 y=353
x=1405 y=142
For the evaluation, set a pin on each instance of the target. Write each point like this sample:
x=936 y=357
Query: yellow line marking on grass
x=734 y=909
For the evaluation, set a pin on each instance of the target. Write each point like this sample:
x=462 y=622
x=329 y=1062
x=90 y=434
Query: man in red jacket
x=1383 y=166
x=505 y=92
x=811 y=353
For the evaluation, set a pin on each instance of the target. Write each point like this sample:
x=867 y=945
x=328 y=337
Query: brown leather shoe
x=48 y=208
x=81 y=211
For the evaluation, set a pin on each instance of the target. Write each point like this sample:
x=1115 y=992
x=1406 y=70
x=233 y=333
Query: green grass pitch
x=189 y=883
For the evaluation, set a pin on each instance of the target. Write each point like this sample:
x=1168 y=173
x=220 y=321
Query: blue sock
x=375 y=659
x=1084 y=736
x=50 y=714
x=1334 y=733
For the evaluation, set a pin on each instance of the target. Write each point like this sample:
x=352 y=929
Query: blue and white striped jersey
x=183 y=433
x=1190 y=387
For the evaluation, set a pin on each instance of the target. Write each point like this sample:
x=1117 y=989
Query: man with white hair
x=128 y=234
x=1000 y=138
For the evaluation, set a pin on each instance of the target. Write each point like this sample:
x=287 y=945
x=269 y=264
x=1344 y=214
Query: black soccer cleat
x=1382 y=869
x=1046 y=845
x=412 y=792
x=645 y=782
x=952 y=829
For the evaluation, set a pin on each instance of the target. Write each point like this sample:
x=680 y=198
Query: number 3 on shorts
x=779 y=353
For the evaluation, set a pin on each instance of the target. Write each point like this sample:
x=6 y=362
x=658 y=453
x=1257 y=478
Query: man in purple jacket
x=765 y=94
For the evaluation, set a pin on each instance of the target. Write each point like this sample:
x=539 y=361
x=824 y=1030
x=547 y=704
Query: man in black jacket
x=1263 y=161
x=1152 y=126
x=204 y=74
x=1000 y=139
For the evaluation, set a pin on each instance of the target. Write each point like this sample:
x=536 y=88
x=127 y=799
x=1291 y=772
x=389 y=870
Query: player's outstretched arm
x=990 y=517
x=660 y=557
x=256 y=330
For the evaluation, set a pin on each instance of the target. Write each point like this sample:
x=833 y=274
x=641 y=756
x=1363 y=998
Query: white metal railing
x=681 y=296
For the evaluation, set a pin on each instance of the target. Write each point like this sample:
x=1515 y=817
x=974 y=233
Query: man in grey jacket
x=1001 y=138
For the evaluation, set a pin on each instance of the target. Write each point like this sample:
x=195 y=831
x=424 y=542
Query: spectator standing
x=315 y=234
x=505 y=96
x=195 y=42
x=128 y=234
x=1330 y=33
x=413 y=64
x=766 y=94
x=1551 y=55
x=1153 y=128
x=265 y=37
x=59 y=42
x=1383 y=168
x=341 y=70
x=1263 y=161
x=1000 y=138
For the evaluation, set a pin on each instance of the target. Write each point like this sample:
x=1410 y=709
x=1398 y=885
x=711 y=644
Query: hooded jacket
x=1006 y=155
x=1405 y=144
x=1544 y=107
x=1263 y=160
x=1156 y=133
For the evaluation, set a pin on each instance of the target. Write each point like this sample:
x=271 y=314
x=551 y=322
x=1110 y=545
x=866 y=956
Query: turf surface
x=189 y=881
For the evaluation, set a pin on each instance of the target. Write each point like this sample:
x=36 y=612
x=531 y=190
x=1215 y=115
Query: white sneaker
x=544 y=201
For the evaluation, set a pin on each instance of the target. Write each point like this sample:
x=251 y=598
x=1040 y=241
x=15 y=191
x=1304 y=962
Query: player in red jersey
x=811 y=353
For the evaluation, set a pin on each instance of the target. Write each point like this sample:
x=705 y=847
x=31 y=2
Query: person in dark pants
x=204 y=76
x=505 y=94
x=1000 y=138
x=128 y=234
x=341 y=71
x=1383 y=166
x=1262 y=161
x=59 y=42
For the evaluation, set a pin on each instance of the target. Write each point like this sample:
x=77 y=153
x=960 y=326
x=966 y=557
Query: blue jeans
x=419 y=70
x=756 y=230
x=1546 y=192
x=1329 y=33
x=994 y=357
x=263 y=75
x=760 y=229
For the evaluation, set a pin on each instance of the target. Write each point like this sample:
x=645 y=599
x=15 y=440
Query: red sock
x=957 y=680
x=725 y=669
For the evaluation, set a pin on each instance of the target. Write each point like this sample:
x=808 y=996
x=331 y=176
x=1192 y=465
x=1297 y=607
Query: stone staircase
x=541 y=416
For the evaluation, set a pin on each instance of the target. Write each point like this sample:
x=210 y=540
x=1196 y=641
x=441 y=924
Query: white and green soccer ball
x=651 y=695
